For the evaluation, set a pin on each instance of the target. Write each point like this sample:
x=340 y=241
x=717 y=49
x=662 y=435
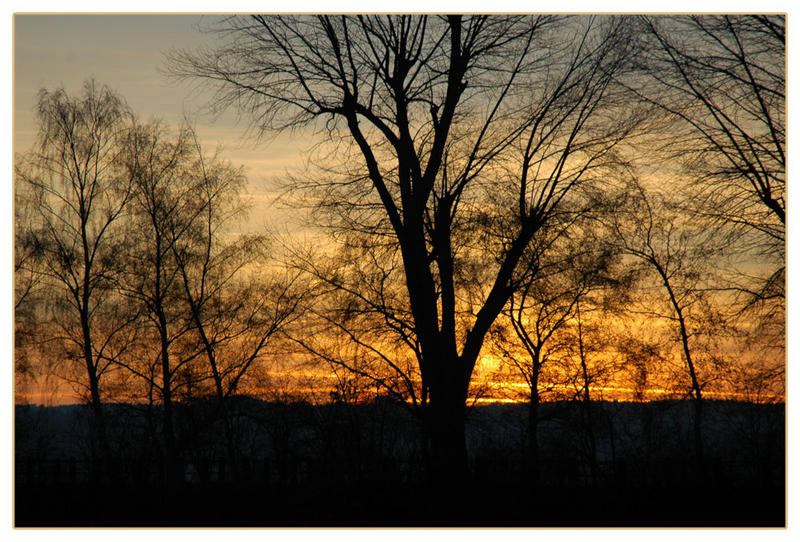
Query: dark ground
x=487 y=506
x=357 y=466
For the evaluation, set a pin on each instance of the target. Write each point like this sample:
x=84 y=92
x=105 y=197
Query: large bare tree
x=435 y=126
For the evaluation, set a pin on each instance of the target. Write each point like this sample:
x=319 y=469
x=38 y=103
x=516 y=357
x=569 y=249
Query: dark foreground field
x=342 y=465
x=485 y=505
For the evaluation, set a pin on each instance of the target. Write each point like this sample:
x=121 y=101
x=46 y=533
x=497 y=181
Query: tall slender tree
x=81 y=191
x=234 y=308
x=166 y=201
x=675 y=256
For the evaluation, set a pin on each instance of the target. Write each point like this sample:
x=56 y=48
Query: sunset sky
x=128 y=53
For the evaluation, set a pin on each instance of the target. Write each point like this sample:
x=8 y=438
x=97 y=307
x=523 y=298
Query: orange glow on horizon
x=323 y=395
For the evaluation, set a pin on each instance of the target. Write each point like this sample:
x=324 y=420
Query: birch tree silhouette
x=80 y=191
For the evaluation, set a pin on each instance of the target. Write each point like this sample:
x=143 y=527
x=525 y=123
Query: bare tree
x=564 y=265
x=206 y=303
x=679 y=259
x=235 y=310
x=440 y=123
x=721 y=79
x=80 y=193
x=166 y=201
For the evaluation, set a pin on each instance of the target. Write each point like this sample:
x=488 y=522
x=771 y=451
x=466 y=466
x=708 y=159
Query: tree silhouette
x=721 y=79
x=167 y=200
x=444 y=123
x=80 y=190
x=675 y=255
x=208 y=308
x=234 y=308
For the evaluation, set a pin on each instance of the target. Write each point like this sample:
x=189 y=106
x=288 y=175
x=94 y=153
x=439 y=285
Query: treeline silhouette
x=344 y=464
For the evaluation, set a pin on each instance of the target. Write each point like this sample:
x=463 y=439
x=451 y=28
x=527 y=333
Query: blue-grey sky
x=122 y=51
x=127 y=53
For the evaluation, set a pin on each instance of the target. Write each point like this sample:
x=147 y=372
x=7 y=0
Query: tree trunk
x=97 y=429
x=587 y=402
x=166 y=392
x=696 y=388
x=698 y=435
x=533 y=432
x=698 y=399
x=590 y=437
x=100 y=449
x=448 y=447
x=230 y=447
x=612 y=444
